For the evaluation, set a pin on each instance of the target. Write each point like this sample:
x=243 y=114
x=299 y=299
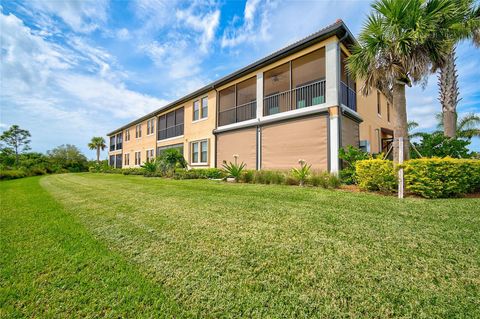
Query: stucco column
x=334 y=138
x=332 y=75
x=259 y=94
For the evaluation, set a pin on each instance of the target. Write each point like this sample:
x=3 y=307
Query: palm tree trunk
x=98 y=154
x=400 y=121
x=448 y=85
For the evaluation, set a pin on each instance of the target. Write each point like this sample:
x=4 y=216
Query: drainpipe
x=340 y=108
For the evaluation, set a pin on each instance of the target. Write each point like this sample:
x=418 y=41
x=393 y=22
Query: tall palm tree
x=467 y=126
x=467 y=26
x=97 y=143
x=401 y=43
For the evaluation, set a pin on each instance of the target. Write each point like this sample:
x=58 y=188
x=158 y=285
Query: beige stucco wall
x=350 y=132
x=372 y=123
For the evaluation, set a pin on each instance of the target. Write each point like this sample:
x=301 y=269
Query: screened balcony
x=348 y=86
x=238 y=102
x=296 y=84
x=170 y=124
x=112 y=143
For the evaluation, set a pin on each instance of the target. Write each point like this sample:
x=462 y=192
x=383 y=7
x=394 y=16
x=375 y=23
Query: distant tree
x=467 y=126
x=438 y=145
x=97 y=143
x=68 y=157
x=17 y=139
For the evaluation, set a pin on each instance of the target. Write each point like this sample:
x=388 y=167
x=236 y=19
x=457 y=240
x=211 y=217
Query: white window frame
x=199 y=111
x=149 y=157
x=139 y=162
x=202 y=116
x=138 y=131
x=199 y=142
x=150 y=127
x=126 y=159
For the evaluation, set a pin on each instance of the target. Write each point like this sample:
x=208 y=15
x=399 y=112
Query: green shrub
x=438 y=145
x=269 y=177
x=442 y=177
x=12 y=174
x=36 y=171
x=199 y=173
x=133 y=171
x=302 y=173
x=234 y=169
x=150 y=166
x=349 y=157
x=376 y=175
x=247 y=176
x=291 y=180
x=324 y=179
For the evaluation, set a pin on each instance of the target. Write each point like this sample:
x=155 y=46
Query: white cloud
x=123 y=34
x=206 y=24
x=44 y=81
x=82 y=16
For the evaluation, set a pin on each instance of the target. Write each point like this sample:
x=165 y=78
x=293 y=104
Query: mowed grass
x=92 y=245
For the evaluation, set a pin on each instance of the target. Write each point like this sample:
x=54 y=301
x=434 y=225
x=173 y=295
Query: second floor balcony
x=298 y=98
x=169 y=132
x=238 y=113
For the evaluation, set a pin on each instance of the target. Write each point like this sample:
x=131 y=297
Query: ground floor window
x=199 y=152
x=127 y=159
x=162 y=149
x=149 y=155
x=112 y=160
x=118 y=161
x=138 y=158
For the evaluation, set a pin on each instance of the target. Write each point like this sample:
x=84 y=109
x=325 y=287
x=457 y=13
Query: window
x=118 y=161
x=149 y=155
x=112 y=143
x=119 y=141
x=204 y=113
x=170 y=124
x=127 y=135
x=138 y=158
x=196 y=110
x=111 y=161
x=162 y=149
x=127 y=159
x=379 y=104
x=388 y=112
x=199 y=152
x=138 y=131
x=150 y=126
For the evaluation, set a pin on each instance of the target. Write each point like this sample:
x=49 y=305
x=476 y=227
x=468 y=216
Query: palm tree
x=466 y=127
x=401 y=43
x=467 y=26
x=412 y=125
x=97 y=143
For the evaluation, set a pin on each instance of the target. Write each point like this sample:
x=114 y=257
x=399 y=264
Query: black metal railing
x=238 y=113
x=300 y=97
x=171 y=131
x=349 y=96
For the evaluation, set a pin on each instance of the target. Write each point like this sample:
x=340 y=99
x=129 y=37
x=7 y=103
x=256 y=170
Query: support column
x=259 y=95
x=334 y=136
x=332 y=75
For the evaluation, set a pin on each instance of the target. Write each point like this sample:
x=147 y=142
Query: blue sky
x=74 y=69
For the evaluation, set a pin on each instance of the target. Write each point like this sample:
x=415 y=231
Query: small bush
x=247 y=176
x=302 y=173
x=442 y=177
x=324 y=180
x=269 y=177
x=291 y=180
x=199 y=173
x=12 y=174
x=133 y=171
x=234 y=169
x=350 y=156
x=376 y=175
x=36 y=171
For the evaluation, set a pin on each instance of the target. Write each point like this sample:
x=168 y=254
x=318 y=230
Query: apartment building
x=297 y=103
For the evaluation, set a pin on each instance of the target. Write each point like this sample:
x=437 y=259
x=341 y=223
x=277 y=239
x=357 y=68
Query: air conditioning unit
x=365 y=146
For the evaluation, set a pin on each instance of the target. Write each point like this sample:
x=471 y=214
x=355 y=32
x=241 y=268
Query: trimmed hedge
x=426 y=177
x=200 y=173
x=376 y=175
x=442 y=177
x=12 y=174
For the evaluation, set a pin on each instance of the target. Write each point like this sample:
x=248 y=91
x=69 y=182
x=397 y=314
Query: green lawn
x=93 y=245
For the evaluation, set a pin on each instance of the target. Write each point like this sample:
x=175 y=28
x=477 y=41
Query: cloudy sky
x=74 y=69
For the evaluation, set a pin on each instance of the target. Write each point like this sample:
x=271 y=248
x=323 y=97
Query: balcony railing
x=238 y=113
x=171 y=131
x=300 y=97
x=349 y=96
